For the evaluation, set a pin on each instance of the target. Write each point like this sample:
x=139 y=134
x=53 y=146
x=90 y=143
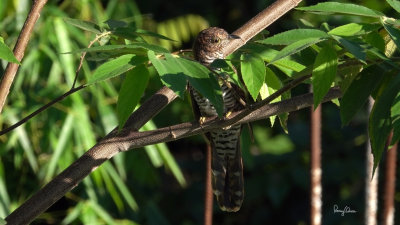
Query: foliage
x=355 y=56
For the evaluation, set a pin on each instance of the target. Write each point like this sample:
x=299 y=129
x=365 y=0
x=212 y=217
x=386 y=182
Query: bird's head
x=210 y=43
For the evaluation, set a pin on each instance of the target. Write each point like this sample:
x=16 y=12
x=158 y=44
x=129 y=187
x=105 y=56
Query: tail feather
x=227 y=168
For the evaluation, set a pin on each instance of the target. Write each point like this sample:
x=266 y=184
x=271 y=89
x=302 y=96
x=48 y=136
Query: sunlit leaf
x=115 y=67
x=296 y=47
x=291 y=36
x=253 y=73
x=353 y=29
x=393 y=32
x=324 y=72
x=341 y=8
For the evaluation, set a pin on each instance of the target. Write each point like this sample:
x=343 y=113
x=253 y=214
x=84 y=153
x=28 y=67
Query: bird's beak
x=233 y=36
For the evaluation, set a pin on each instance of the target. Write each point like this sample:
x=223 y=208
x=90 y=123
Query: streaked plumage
x=226 y=165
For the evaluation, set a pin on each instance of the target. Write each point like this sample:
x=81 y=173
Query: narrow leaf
x=358 y=91
x=395 y=4
x=295 y=48
x=84 y=25
x=291 y=36
x=347 y=30
x=131 y=91
x=6 y=53
x=324 y=73
x=127 y=48
x=116 y=67
x=379 y=125
x=393 y=32
x=341 y=8
x=353 y=47
x=395 y=114
x=253 y=73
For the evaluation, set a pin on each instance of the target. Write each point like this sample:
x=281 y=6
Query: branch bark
x=19 y=50
x=129 y=138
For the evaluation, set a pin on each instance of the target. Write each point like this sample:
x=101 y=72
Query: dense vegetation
x=164 y=183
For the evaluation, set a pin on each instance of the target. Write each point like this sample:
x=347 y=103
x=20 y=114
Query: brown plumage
x=226 y=164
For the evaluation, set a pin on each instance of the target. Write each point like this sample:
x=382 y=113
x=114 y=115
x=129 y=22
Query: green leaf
x=127 y=48
x=272 y=84
x=296 y=47
x=349 y=73
x=379 y=126
x=253 y=73
x=375 y=40
x=395 y=114
x=6 y=53
x=341 y=8
x=395 y=4
x=291 y=36
x=116 y=67
x=175 y=72
x=358 y=92
x=353 y=47
x=353 y=29
x=324 y=73
x=286 y=65
x=131 y=91
x=152 y=34
x=393 y=32
x=84 y=25
x=170 y=74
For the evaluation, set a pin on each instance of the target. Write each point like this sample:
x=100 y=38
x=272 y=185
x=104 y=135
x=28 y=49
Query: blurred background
x=162 y=184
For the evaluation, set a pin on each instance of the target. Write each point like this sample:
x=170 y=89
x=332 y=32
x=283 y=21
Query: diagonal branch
x=129 y=138
x=19 y=49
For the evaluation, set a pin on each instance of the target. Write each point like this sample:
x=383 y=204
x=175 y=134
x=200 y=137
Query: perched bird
x=226 y=162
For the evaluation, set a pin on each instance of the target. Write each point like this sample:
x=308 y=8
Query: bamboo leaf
x=84 y=25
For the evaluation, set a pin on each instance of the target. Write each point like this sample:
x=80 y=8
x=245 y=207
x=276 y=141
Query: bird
x=226 y=156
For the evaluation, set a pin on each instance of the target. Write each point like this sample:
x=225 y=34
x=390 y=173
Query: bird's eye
x=215 y=40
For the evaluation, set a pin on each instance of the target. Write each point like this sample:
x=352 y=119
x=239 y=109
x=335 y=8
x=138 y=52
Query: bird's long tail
x=227 y=168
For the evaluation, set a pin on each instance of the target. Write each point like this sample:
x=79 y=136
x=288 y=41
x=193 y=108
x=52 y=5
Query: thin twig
x=19 y=50
x=41 y=109
x=84 y=54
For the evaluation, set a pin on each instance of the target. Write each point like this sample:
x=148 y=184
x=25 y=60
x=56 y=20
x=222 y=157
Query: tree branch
x=19 y=49
x=129 y=138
